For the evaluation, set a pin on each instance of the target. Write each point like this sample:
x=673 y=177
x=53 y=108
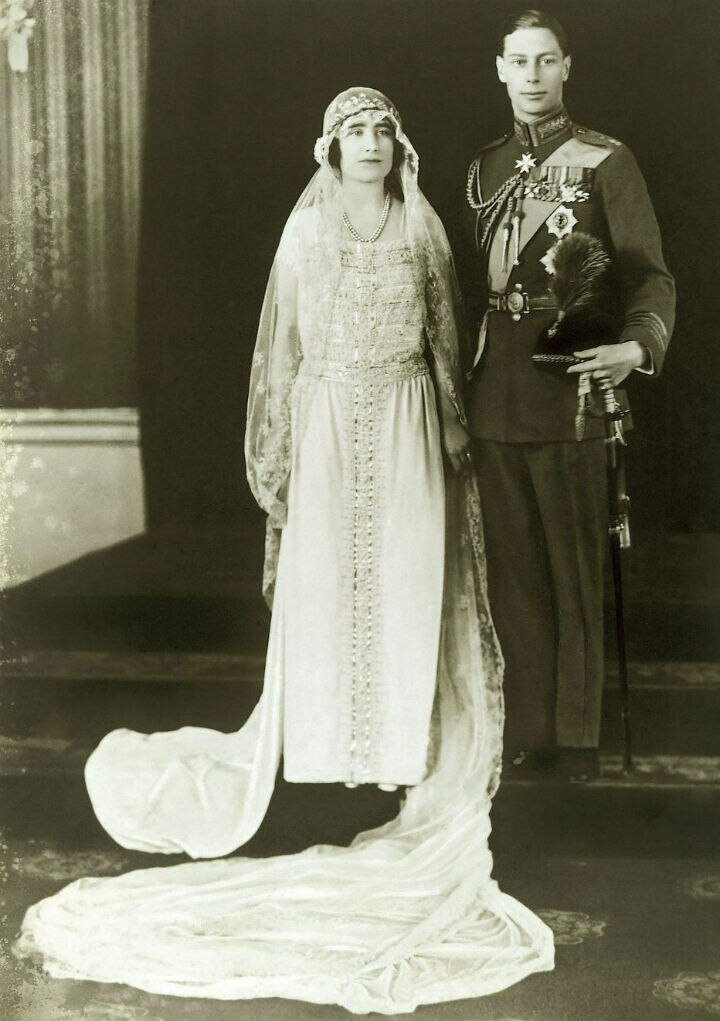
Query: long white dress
x=408 y=913
x=360 y=577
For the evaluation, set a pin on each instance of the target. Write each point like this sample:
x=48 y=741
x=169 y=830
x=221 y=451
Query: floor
x=624 y=869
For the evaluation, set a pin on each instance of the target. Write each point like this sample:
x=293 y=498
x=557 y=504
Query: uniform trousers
x=545 y=517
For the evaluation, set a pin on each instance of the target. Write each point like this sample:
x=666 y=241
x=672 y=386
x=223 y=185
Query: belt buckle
x=516 y=304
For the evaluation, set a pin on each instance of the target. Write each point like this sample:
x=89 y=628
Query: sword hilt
x=619 y=523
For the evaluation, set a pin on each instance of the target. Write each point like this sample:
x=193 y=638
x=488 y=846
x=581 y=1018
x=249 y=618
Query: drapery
x=70 y=167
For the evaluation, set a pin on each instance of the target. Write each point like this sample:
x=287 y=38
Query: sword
x=619 y=534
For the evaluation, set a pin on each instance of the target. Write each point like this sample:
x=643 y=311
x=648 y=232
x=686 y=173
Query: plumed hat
x=579 y=286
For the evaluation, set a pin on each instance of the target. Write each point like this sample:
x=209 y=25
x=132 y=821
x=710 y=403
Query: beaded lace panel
x=366 y=335
x=372 y=316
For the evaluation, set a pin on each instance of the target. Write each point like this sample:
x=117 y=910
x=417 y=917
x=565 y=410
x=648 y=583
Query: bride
x=382 y=665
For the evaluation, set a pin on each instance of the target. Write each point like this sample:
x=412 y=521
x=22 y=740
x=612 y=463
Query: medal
x=573 y=193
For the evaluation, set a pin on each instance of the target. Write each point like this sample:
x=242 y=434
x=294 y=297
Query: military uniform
x=544 y=492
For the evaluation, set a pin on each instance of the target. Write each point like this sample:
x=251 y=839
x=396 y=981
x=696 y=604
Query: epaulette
x=595 y=137
x=495 y=144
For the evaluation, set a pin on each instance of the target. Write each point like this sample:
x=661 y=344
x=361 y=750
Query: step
x=39 y=756
x=132 y=666
x=183 y=667
x=239 y=622
x=674 y=707
x=668 y=808
x=659 y=812
x=166 y=590
x=49 y=755
x=136 y=623
x=51 y=693
x=673 y=569
x=200 y=592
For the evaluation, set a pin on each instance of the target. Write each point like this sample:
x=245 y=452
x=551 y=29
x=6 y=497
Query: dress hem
x=314 y=778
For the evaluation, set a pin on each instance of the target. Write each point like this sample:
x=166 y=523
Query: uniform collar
x=547 y=129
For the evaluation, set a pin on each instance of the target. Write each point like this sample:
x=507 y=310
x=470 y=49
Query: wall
x=70 y=483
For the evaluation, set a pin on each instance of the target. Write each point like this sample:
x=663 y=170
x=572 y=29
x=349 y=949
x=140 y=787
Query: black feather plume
x=584 y=316
x=580 y=263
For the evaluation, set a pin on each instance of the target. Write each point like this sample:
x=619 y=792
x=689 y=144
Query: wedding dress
x=360 y=581
x=340 y=428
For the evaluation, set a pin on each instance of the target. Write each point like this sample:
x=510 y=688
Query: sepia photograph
x=359 y=510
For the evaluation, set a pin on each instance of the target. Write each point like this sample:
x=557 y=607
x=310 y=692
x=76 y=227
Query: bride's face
x=367 y=147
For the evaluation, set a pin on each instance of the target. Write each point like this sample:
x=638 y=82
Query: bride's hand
x=278 y=514
x=457 y=445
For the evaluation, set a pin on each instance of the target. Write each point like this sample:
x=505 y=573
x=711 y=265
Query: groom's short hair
x=532 y=18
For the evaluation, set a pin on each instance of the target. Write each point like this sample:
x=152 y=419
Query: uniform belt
x=519 y=303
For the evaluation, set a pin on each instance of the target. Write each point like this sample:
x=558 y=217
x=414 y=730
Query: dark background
x=236 y=93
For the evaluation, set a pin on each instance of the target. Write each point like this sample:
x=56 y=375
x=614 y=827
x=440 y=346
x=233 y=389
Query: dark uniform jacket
x=581 y=181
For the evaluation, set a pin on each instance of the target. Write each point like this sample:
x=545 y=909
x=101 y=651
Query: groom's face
x=533 y=68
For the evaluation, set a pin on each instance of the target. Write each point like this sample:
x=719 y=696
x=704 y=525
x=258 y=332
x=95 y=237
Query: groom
x=544 y=492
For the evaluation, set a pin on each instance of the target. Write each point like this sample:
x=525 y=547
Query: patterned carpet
x=633 y=942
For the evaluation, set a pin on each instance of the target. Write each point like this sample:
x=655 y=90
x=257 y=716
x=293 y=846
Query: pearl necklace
x=380 y=227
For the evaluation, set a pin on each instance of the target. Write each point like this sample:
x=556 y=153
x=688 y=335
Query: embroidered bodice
x=371 y=316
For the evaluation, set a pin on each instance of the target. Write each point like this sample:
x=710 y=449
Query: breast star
x=561 y=222
x=525 y=164
x=548 y=261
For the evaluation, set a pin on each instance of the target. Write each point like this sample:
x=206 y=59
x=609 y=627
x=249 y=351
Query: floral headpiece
x=348 y=104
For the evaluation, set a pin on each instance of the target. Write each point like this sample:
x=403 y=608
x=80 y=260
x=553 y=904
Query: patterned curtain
x=70 y=161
